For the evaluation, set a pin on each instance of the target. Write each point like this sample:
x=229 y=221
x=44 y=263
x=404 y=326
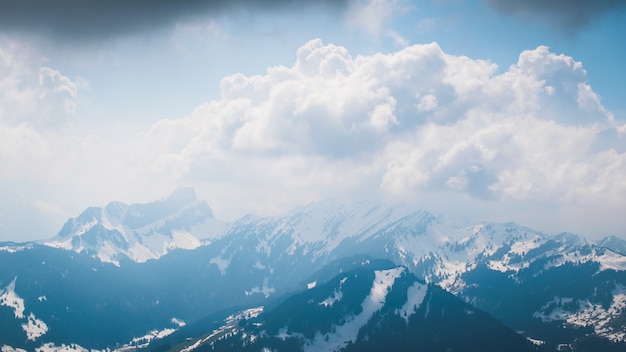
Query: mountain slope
x=559 y=295
x=368 y=309
x=99 y=305
x=556 y=289
x=613 y=243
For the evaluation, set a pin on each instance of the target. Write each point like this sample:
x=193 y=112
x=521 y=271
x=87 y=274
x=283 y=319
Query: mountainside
x=367 y=309
x=140 y=232
x=613 y=243
x=558 y=290
x=554 y=292
x=455 y=257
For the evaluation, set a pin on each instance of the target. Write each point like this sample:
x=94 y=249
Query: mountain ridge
x=565 y=286
x=366 y=308
x=140 y=232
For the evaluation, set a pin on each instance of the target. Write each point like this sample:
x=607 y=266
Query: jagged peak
x=361 y=208
x=614 y=243
x=611 y=239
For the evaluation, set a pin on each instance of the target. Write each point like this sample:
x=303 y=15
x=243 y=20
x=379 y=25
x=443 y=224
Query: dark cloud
x=569 y=14
x=88 y=20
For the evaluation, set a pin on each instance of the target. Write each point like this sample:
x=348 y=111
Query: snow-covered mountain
x=613 y=243
x=286 y=248
x=557 y=289
x=140 y=232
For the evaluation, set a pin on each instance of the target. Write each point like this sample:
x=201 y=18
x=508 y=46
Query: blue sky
x=479 y=109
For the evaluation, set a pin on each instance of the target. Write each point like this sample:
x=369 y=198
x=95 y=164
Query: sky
x=481 y=110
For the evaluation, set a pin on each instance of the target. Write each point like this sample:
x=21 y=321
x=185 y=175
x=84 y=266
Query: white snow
x=498 y=265
x=228 y=328
x=10 y=299
x=343 y=334
x=311 y=285
x=283 y=335
x=34 y=328
x=13 y=249
x=180 y=239
x=415 y=296
x=7 y=348
x=50 y=347
x=245 y=314
x=144 y=341
x=612 y=260
x=327 y=223
x=589 y=313
x=64 y=244
x=178 y=322
x=86 y=227
x=265 y=289
x=536 y=342
x=148 y=242
x=222 y=264
x=335 y=297
x=522 y=247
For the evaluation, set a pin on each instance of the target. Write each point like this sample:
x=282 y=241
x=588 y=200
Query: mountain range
x=133 y=276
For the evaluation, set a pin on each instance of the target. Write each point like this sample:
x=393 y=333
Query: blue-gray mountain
x=373 y=308
x=555 y=290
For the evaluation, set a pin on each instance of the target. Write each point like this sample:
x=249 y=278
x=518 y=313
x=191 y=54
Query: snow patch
x=335 y=297
x=230 y=327
x=10 y=299
x=610 y=260
x=50 y=347
x=222 y=264
x=13 y=249
x=144 y=341
x=415 y=296
x=178 y=322
x=590 y=313
x=265 y=289
x=7 y=348
x=34 y=328
x=536 y=342
x=348 y=332
x=523 y=247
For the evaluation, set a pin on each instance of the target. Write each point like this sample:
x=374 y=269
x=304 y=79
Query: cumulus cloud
x=569 y=14
x=30 y=92
x=416 y=124
x=414 y=121
x=83 y=21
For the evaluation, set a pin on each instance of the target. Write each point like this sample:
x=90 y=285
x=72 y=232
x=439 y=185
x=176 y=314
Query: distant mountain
x=613 y=243
x=557 y=290
x=140 y=232
x=284 y=249
x=366 y=309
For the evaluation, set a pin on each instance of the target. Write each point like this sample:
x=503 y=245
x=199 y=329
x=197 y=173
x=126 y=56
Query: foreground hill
x=367 y=309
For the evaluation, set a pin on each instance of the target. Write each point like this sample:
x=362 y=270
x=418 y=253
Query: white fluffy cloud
x=30 y=92
x=413 y=121
x=412 y=124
